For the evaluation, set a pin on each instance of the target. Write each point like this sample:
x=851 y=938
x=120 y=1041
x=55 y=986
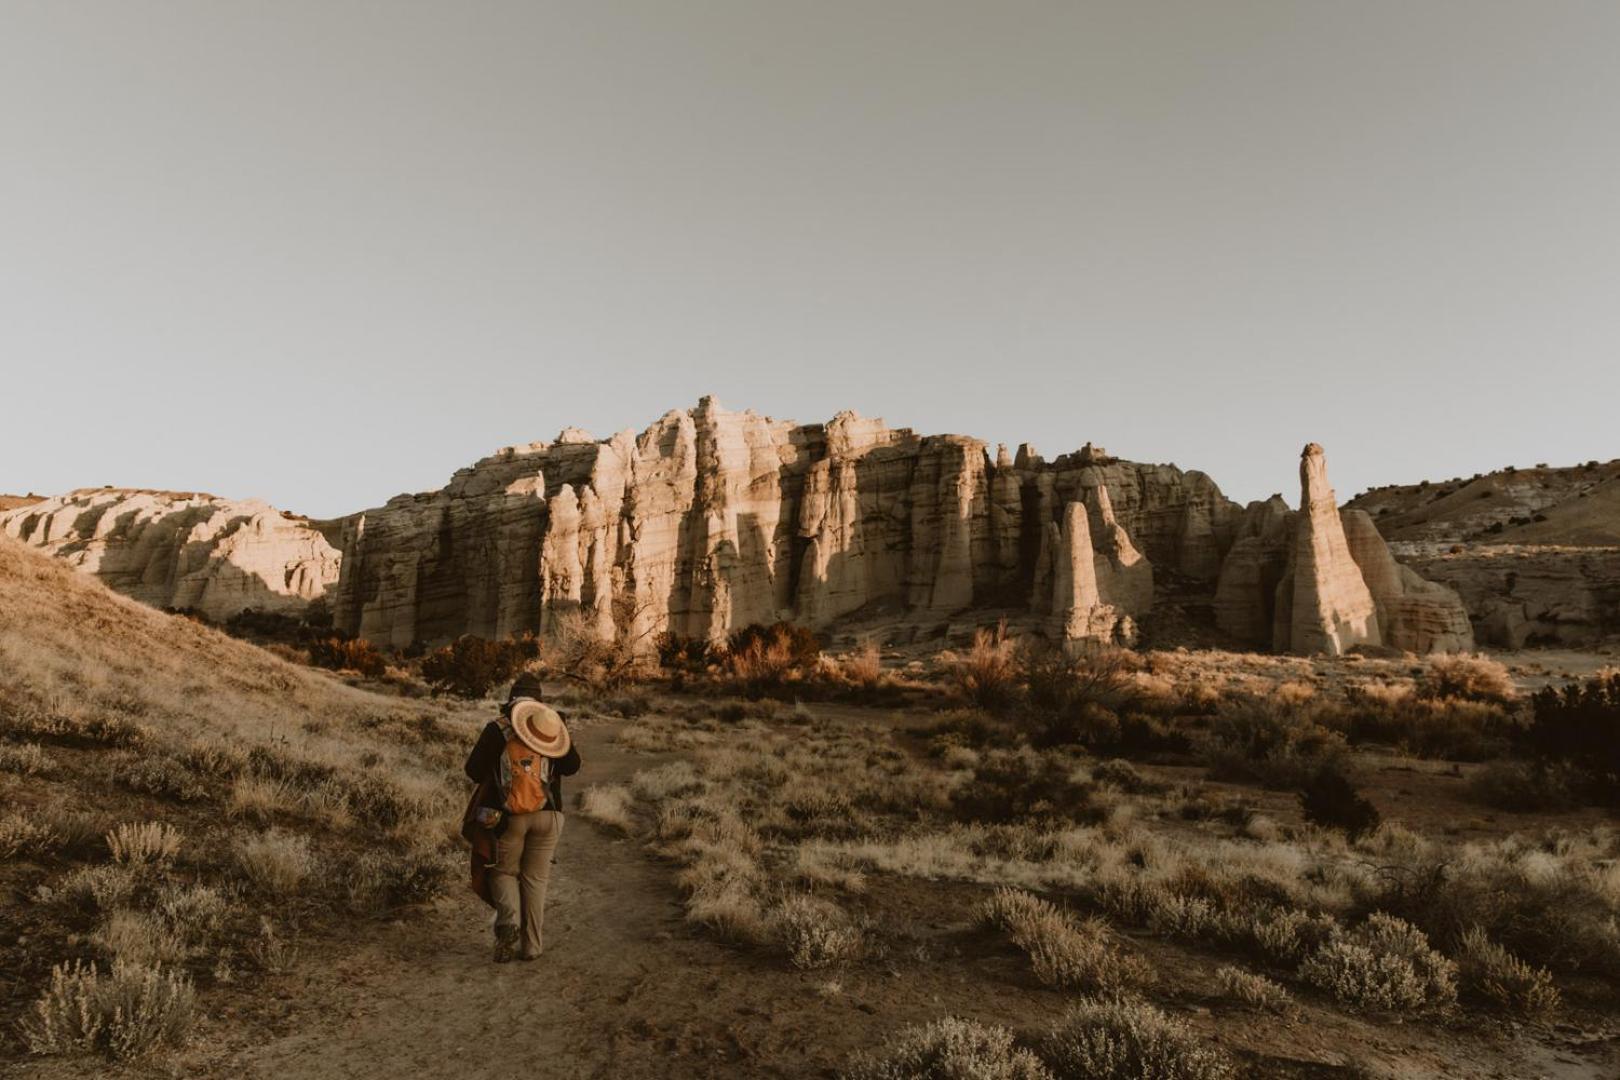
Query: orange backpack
x=522 y=776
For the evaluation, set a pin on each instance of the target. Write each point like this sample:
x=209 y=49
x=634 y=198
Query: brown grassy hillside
x=1576 y=506
x=11 y=502
x=188 y=812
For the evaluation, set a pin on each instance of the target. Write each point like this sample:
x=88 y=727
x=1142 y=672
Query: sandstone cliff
x=183 y=550
x=710 y=520
x=1321 y=581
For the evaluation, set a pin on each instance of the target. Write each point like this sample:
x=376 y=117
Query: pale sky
x=325 y=252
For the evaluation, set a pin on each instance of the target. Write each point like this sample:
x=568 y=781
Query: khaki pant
x=522 y=869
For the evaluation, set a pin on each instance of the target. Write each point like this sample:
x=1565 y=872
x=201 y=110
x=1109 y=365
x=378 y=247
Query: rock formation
x=1323 y=603
x=1318 y=581
x=1518 y=595
x=1415 y=615
x=711 y=520
x=179 y=550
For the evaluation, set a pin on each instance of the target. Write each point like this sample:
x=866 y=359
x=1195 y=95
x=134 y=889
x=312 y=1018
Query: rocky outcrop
x=1246 y=592
x=1415 y=615
x=711 y=520
x=1518 y=595
x=180 y=550
x=1323 y=604
x=1321 y=581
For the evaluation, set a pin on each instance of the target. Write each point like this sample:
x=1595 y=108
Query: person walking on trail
x=518 y=765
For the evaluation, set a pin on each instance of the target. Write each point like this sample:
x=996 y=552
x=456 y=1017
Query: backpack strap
x=503 y=762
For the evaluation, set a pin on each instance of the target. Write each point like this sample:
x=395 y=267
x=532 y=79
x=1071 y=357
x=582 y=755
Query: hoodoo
x=1298 y=582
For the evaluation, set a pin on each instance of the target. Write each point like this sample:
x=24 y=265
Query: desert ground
x=778 y=861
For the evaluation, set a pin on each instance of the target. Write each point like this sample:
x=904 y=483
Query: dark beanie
x=527 y=685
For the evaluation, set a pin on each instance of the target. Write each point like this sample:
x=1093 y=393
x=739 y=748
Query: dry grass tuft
x=1121 y=1038
x=21 y=834
x=1468 y=676
x=987 y=675
x=610 y=804
x=817 y=933
x=275 y=861
x=1063 y=951
x=1491 y=973
x=950 y=1049
x=1254 y=990
x=1384 y=963
x=26 y=759
x=143 y=844
x=126 y=1013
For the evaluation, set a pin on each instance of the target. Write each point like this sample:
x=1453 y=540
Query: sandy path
x=424 y=1000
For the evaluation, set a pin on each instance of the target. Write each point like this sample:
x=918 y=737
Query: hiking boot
x=528 y=957
x=506 y=942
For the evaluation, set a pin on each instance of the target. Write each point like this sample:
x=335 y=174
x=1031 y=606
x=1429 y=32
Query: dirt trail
x=424 y=1000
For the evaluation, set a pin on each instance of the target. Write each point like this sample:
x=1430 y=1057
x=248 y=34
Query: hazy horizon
x=325 y=253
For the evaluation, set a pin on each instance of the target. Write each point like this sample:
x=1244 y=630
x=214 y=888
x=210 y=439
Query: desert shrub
x=610 y=804
x=863 y=667
x=1122 y=1038
x=1063 y=951
x=164 y=776
x=1527 y=787
x=259 y=798
x=1255 y=991
x=973 y=728
x=625 y=706
x=1467 y=676
x=686 y=655
x=102 y=729
x=74 y=832
x=1121 y=774
x=950 y=1049
x=987 y=675
x=275 y=861
x=379 y=799
x=348 y=654
x=816 y=933
x=1329 y=799
x=210 y=757
x=28 y=759
x=1553 y=903
x=126 y=1013
x=470 y=666
x=765 y=658
x=104 y=886
x=199 y=910
x=390 y=879
x=1076 y=699
x=270 y=952
x=1490 y=973
x=139 y=937
x=150 y=843
x=816 y=867
x=603 y=654
x=20 y=833
x=666 y=781
x=1580 y=725
x=1384 y=963
x=1453 y=728
x=1279 y=747
x=1020 y=782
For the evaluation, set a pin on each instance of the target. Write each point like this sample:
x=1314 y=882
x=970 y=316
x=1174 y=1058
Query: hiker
x=518 y=765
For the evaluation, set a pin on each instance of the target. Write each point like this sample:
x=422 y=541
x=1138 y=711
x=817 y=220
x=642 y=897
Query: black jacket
x=487 y=754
